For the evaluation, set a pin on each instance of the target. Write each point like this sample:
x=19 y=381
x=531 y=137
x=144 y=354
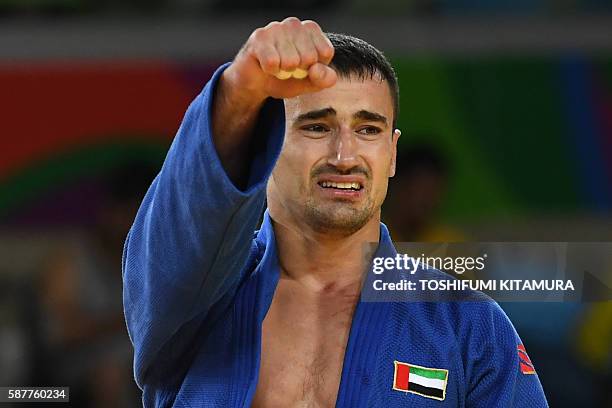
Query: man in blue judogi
x=222 y=316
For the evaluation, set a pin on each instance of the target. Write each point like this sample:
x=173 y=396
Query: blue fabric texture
x=198 y=282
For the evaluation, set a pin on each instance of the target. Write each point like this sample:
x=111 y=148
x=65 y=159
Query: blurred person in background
x=84 y=326
x=416 y=194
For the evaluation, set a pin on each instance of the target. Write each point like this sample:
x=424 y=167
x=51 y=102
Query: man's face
x=338 y=154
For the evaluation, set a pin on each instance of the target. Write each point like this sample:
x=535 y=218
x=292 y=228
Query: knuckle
x=311 y=25
x=292 y=21
x=271 y=28
x=258 y=33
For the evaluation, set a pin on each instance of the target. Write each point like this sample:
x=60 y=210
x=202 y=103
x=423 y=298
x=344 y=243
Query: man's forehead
x=347 y=96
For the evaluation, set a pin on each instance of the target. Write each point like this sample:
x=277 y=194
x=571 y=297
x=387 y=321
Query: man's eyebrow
x=370 y=116
x=316 y=114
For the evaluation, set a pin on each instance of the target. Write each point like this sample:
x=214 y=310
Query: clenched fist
x=255 y=75
x=264 y=65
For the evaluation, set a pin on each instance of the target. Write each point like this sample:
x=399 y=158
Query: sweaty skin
x=338 y=130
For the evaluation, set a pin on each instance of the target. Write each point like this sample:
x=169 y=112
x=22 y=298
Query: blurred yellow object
x=594 y=338
x=283 y=74
x=300 y=73
x=297 y=73
x=441 y=233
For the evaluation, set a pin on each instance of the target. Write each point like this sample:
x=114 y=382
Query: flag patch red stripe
x=402 y=372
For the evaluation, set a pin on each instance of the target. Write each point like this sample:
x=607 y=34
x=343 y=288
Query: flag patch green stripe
x=428 y=373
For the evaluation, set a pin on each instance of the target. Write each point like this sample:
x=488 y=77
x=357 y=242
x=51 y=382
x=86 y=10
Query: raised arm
x=253 y=77
x=192 y=235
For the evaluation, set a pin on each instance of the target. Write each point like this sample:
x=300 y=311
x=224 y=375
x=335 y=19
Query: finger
x=305 y=47
x=260 y=46
x=300 y=73
x=268 y=57
x=324 y=47
x=289 y=56
x=321 y=76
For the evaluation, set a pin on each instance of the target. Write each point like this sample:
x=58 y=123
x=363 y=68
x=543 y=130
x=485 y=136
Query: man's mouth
x=352 y=186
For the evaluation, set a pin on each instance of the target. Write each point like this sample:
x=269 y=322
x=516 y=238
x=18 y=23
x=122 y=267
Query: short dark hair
x=353 y=56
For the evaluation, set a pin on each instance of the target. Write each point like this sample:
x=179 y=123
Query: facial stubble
x=338 y=216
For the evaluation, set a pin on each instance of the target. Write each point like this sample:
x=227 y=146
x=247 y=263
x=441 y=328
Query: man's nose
x=343 y=151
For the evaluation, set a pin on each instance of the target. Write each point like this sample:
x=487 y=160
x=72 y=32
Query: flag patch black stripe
x=427 y=391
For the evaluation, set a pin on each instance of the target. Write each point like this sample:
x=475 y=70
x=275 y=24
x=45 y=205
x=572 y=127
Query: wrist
x=239 y=94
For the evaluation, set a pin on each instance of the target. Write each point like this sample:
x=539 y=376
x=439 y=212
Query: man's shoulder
x=467 y=315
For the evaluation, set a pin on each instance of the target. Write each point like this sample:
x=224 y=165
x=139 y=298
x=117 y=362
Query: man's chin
x=338 y=218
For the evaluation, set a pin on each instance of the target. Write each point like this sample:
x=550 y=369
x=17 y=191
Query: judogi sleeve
x=499 y=372
x=192 y=234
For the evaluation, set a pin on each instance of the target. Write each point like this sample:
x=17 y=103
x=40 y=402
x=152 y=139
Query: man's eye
x=315 y=128
x=369 y=130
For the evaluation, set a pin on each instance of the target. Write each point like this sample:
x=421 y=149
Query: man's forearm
x=235 y=113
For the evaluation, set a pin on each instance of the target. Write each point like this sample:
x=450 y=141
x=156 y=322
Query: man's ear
x=396 y=134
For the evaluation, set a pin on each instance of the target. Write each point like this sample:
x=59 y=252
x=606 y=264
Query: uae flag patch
x=423 y=381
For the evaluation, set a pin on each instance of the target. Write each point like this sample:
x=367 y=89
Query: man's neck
x=324 y=262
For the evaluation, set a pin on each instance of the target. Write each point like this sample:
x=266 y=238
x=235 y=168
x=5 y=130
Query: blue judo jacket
x=198 y=283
